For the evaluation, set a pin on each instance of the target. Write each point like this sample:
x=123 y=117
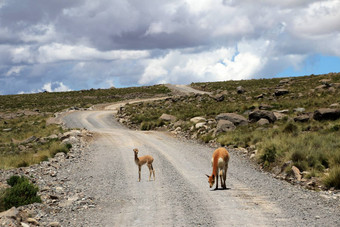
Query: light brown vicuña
x=148 y=159
x=219 y=161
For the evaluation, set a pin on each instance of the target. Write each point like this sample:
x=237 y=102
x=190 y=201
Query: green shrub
x=312 y=173
x=333 y=179
x=298 y=155
x=336 y=158
x=15 y=179
x=149 y=125
x=68 y=146
x=57 y=148
x=145 y=126
x=21 y=193
x=44 y=158
x=301 y=165
x=269 y=155
x=207 y=137
x=22 y=164
x=290 y=128
x=335 y=128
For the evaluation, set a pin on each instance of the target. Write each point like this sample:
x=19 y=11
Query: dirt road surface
x=180 y=195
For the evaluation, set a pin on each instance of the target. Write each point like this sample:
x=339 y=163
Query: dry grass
x=24 y=116
x=312 y=146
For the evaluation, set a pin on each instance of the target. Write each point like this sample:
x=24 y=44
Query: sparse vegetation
x=56 y=101
x=21 y=192
x=311 y=145
x=333 y=179
x=24 y=132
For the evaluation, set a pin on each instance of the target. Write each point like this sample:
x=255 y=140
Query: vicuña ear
x=207 y=175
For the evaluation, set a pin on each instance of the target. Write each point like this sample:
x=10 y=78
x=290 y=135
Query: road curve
x=180 y=196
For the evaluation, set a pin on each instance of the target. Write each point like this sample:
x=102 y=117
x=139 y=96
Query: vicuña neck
x=136 y=158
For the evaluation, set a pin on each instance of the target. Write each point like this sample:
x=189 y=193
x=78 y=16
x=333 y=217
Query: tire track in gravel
x=180 y=196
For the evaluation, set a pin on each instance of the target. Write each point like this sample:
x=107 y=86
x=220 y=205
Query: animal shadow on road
x=220 y=189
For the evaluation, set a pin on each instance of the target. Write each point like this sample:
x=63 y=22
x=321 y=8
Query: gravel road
x=181 y=196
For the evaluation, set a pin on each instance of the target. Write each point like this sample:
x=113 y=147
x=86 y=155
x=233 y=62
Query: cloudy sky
x=61 y=45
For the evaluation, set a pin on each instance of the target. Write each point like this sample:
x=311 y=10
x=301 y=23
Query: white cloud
x=55 y=87
x=50 y=87
x=211 y=65
x=86 y=43
x=61 y=52
x=15 y=70
x=41 y=33
x=318 y=19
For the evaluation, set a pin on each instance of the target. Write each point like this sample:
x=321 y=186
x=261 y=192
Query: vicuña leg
x=221 y=177
x=216 y=181
x=139 y=172
x=225 y=175
x=152 y=171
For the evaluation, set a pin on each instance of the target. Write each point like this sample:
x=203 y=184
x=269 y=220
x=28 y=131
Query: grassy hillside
x=313 y=146
x=57 y=101
x=25 y=138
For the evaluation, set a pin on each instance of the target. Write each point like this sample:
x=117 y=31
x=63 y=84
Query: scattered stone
x=240 y=90
x=258 y=114
x=276 y=170
x=54 y=224
x=200 y=125
x=236 y=119
x=299 y=110
x=178 y=123
x=224 y=126
x=219 y=97
x=334 y=105
x=53 y=136
x=260 y=96
x=297 y=173
x=197 y=119
x=321 y=87
x=331 y=89
x=302 y=118
x=53 y=190
x=54 y=197
x=167 y=117
x=11 y=213
x=7 y=129
x=326 y=114
x=336 y=85
x=285 y=111
x=72 y=133
x=325 y=81
x=263 y=121
x=279 y=115
x=285 y=165
x=243 y=150
x=251 y=147
x=285 y=81
x=23 y=224
x=280 y=92
x=32 y=221
x=30 y=139
x=265 y=107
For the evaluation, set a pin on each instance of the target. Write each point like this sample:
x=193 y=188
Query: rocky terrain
x=262 y=117
x=71 y=198
x=57 y=193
